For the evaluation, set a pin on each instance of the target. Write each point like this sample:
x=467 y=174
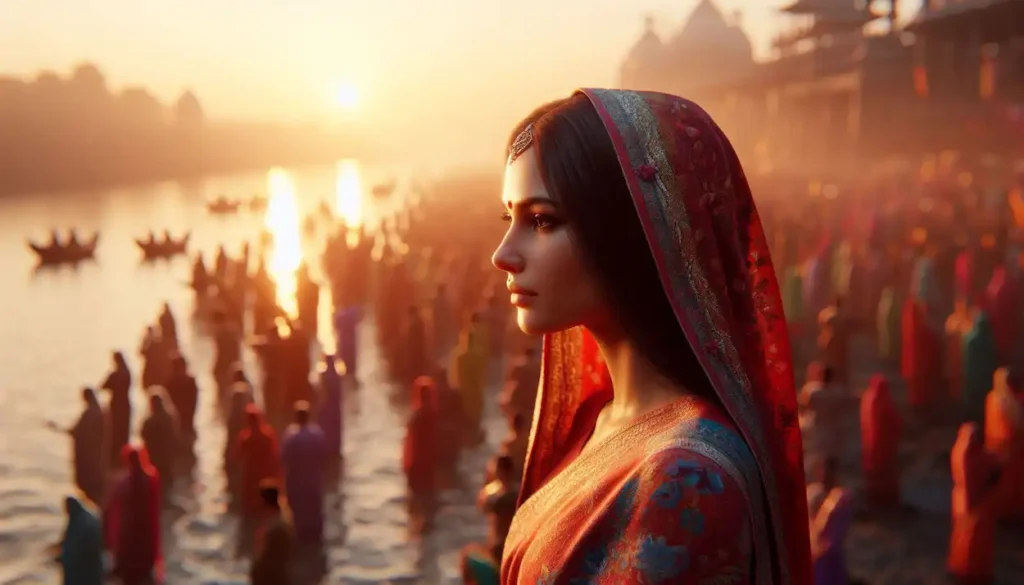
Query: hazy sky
x=432 y=64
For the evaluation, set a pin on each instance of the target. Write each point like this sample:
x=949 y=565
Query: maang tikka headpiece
x=521 y=143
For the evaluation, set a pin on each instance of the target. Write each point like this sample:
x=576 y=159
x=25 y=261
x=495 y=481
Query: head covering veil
x=708 y=243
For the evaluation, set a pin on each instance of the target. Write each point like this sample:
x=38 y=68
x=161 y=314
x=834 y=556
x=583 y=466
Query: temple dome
x=645 y=57
x=708 y=44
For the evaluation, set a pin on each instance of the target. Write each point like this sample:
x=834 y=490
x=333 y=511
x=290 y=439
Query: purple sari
x=302 y=453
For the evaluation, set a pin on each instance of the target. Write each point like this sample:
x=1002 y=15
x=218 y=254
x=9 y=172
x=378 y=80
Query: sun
x=346 y=96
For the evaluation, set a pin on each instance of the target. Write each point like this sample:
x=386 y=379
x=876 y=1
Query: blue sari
x=81 y=551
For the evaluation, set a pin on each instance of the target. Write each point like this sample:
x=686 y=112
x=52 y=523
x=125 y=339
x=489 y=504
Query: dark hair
x=519 y=421
x=270 y=494
x=504 y=463
x=828 y=374
x=581 y=170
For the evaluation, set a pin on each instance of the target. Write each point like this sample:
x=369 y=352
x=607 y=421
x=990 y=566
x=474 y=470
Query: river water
x=60 y=327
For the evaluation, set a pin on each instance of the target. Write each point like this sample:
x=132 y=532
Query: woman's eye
x=543 y=222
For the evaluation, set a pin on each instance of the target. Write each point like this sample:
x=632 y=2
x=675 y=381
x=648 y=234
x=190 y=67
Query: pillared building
x=833 y=95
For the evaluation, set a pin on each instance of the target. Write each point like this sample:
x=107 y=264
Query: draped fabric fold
x=710 y=248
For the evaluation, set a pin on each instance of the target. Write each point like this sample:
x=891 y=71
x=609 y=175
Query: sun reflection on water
x=284 y=224
x=348 y=196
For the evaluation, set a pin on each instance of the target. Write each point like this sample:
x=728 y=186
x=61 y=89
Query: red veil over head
x=707 y=240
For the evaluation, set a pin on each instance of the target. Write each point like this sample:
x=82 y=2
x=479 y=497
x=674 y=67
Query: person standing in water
x=667 y=426
x=81 y=550
x=271 y=562
x=88 y=437
x=303 y=455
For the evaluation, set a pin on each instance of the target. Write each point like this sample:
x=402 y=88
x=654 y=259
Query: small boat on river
x=71 y=252
x=258 y=203
x=165 y=247
x=383 y=190
x=223 y=206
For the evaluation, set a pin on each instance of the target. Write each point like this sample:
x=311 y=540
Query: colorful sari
x=131 y=522
x=259 y=459
x=686 y=481
x=81 y=550
x=880 y=426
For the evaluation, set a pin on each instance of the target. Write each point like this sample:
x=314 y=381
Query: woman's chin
x=531 y=322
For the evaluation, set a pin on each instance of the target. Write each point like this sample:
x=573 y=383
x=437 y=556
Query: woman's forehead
x=522 y=180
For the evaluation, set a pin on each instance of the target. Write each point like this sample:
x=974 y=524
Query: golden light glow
x=284 y=223
x=348 y=193
x=346 y=97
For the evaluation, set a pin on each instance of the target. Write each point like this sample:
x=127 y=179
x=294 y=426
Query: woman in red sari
x=665 y=447
x=132 y=520
x=880 y=427
x=419 y=452
x=259 y=459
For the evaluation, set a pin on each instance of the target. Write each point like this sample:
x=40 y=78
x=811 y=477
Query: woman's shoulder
x=707 y=446
x=686 y=507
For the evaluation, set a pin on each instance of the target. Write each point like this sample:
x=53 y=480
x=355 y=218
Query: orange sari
x=687 y=492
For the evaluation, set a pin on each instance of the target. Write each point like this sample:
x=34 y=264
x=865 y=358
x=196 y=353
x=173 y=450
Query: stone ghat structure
x=950 y=79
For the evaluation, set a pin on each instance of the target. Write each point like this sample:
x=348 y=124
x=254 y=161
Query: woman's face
x=549 y=286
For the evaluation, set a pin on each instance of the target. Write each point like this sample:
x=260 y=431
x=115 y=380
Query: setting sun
x=346 y=96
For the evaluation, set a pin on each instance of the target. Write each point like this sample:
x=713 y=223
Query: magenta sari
x=132 y=520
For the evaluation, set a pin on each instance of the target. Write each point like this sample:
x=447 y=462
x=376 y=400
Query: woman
x=119 y=409
x=81 y=550
x=131 y=522
x=419 y=451
x=881 y=426
x=635 y=247
x=259 y=459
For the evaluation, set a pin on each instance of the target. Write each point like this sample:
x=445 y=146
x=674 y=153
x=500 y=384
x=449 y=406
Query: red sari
x=419 y=452
x=132 y=520
x=260 y=459
x=880 y=428
x=687 y=493
x=921 y=359
x=1002 y=304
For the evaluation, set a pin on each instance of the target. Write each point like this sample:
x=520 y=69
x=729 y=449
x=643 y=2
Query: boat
x=258 y=203
x=166 y=247
x=57 y=254
x=384 y=189
x=223 y=206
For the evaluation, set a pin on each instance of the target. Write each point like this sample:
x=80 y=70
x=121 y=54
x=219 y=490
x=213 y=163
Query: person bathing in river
x=271 y=561
x=156 y=358
x=131 y=521
x=88 y=437
x=667 y=431
x=119 y=408
x=81 y=549
x=419 y=455
x=241 y=398
x=497 y=499
x=330 y=415
x=303 y=455
x=184 y=394
x=259 y=459
x=168 y=326
x=162 y=437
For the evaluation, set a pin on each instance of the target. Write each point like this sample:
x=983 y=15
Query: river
x=60 y=327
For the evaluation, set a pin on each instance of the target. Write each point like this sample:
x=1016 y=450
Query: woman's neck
x=638 y=386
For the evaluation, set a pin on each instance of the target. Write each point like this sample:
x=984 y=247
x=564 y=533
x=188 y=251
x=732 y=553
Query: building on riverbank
x=833 y=92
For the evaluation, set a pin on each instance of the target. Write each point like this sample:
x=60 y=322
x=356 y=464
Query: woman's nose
x=506 y=258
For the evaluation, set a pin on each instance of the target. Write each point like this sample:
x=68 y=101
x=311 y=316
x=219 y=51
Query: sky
x=446 y=68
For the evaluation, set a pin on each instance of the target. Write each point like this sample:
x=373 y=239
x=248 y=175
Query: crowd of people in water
x=442 y=324
x=925 y=270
